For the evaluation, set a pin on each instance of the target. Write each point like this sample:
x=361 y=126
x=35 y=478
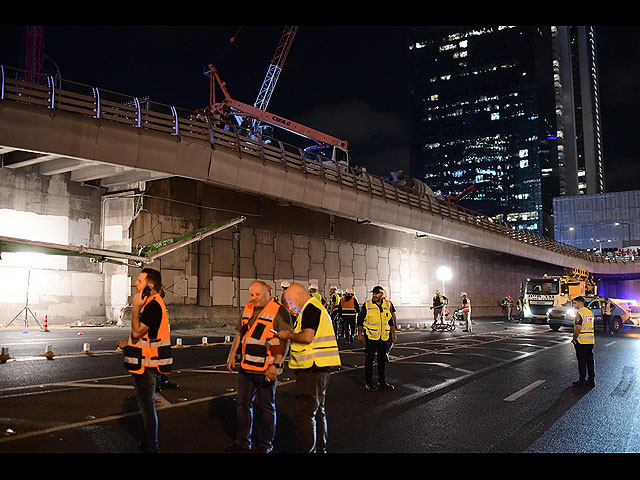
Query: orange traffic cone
x=46 y=322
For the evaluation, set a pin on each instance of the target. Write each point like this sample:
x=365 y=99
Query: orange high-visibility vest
x=146 y=352
x=467 y=307
x=348 y=306
x=259 y=343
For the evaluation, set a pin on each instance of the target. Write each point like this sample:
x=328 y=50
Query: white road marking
x=526 y=389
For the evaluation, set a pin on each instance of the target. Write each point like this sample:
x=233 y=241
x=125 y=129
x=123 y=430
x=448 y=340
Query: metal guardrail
x=92 y=102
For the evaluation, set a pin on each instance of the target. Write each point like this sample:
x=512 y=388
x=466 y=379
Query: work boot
x=385 y=386
x=370 y=388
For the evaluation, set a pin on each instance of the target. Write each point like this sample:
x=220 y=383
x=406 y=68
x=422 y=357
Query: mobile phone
x=146 y=292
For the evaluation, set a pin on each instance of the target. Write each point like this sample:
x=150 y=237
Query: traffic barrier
x=46 y=324
x=86 y=349
x=178 y=342
x=48 y=353
x=227 y=339
x=204 y=341
x=4 y=355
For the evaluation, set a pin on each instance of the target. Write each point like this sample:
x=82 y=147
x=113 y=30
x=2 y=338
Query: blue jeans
x=250 y=387
x=146 y=394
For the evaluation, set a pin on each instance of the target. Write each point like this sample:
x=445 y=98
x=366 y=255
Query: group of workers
x=509 y=304
x=440 y=311
x=298 y=324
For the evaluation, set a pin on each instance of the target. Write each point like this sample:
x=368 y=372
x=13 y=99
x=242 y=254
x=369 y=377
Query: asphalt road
x=505 y=388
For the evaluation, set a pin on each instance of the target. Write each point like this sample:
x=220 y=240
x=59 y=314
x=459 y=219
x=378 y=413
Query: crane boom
x=234 y=107
x=144 y=254
x=275 y=67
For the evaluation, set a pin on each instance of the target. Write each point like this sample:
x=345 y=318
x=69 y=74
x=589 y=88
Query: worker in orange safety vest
x=261 y=354
x=147 y=353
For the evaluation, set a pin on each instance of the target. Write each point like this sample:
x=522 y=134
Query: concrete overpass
x=111 y=140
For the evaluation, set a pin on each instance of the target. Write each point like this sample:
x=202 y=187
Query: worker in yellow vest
x=314 y=353
x=376 y=319
x=332 y=308
x=584 y=340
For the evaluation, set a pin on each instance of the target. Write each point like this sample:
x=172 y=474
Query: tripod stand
x=26 y=308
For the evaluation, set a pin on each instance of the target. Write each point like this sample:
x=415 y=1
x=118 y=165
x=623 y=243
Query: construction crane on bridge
x=251 y=117
x=273 y=72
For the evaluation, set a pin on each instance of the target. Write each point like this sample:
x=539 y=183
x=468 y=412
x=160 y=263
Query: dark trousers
x=250 y=387
x=311 y=418
x=584 y=354
x=349 y=324
x=606 y=323
x=371 y=349
x=145 y=384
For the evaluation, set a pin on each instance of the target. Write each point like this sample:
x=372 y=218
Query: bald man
x=261 y=356
x=314 y=352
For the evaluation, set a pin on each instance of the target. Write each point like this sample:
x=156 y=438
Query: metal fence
x=92 y=102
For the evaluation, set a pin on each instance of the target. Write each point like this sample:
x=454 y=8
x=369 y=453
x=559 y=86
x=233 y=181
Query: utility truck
x=542 y=294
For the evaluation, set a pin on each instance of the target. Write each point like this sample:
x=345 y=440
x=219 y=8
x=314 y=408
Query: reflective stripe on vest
x=259 y=343
x=467 y=307
x=586 y=331
x=323 y=350
x=348 y=307
x=146 y=352
x=376 y=323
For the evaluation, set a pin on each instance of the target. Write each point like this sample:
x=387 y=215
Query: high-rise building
x=512 y=111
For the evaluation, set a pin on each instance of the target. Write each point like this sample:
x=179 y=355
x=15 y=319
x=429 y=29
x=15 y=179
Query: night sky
x=348 y=81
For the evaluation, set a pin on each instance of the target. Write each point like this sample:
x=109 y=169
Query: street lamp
x=444 y=274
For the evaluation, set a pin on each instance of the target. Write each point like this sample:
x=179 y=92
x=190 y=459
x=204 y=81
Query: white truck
x=542 y=294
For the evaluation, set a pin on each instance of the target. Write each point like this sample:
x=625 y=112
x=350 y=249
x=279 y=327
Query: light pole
x=444 y=274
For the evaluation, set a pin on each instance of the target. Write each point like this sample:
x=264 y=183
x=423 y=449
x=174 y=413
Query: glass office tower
x=492 y=108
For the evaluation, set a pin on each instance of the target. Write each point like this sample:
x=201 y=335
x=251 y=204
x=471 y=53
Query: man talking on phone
x=147 y=353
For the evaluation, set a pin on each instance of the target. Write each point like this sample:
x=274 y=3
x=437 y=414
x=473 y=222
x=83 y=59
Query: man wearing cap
x=376 y=317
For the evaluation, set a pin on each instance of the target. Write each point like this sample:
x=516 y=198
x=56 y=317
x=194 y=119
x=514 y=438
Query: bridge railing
x=65 y=95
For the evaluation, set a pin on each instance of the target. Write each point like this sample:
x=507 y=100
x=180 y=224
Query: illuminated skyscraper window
x=503 y=97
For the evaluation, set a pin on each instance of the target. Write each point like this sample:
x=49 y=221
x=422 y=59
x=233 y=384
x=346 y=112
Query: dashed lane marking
x=519 y=393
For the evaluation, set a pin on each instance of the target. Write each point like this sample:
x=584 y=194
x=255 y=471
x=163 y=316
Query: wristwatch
x=277 y=365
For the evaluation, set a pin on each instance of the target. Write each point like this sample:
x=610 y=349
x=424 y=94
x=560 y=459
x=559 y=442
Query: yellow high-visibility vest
x=323 y=350
x=586 y=332
x=376 y=323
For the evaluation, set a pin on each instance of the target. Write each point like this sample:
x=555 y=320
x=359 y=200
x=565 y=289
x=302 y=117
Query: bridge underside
x=113 y=156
